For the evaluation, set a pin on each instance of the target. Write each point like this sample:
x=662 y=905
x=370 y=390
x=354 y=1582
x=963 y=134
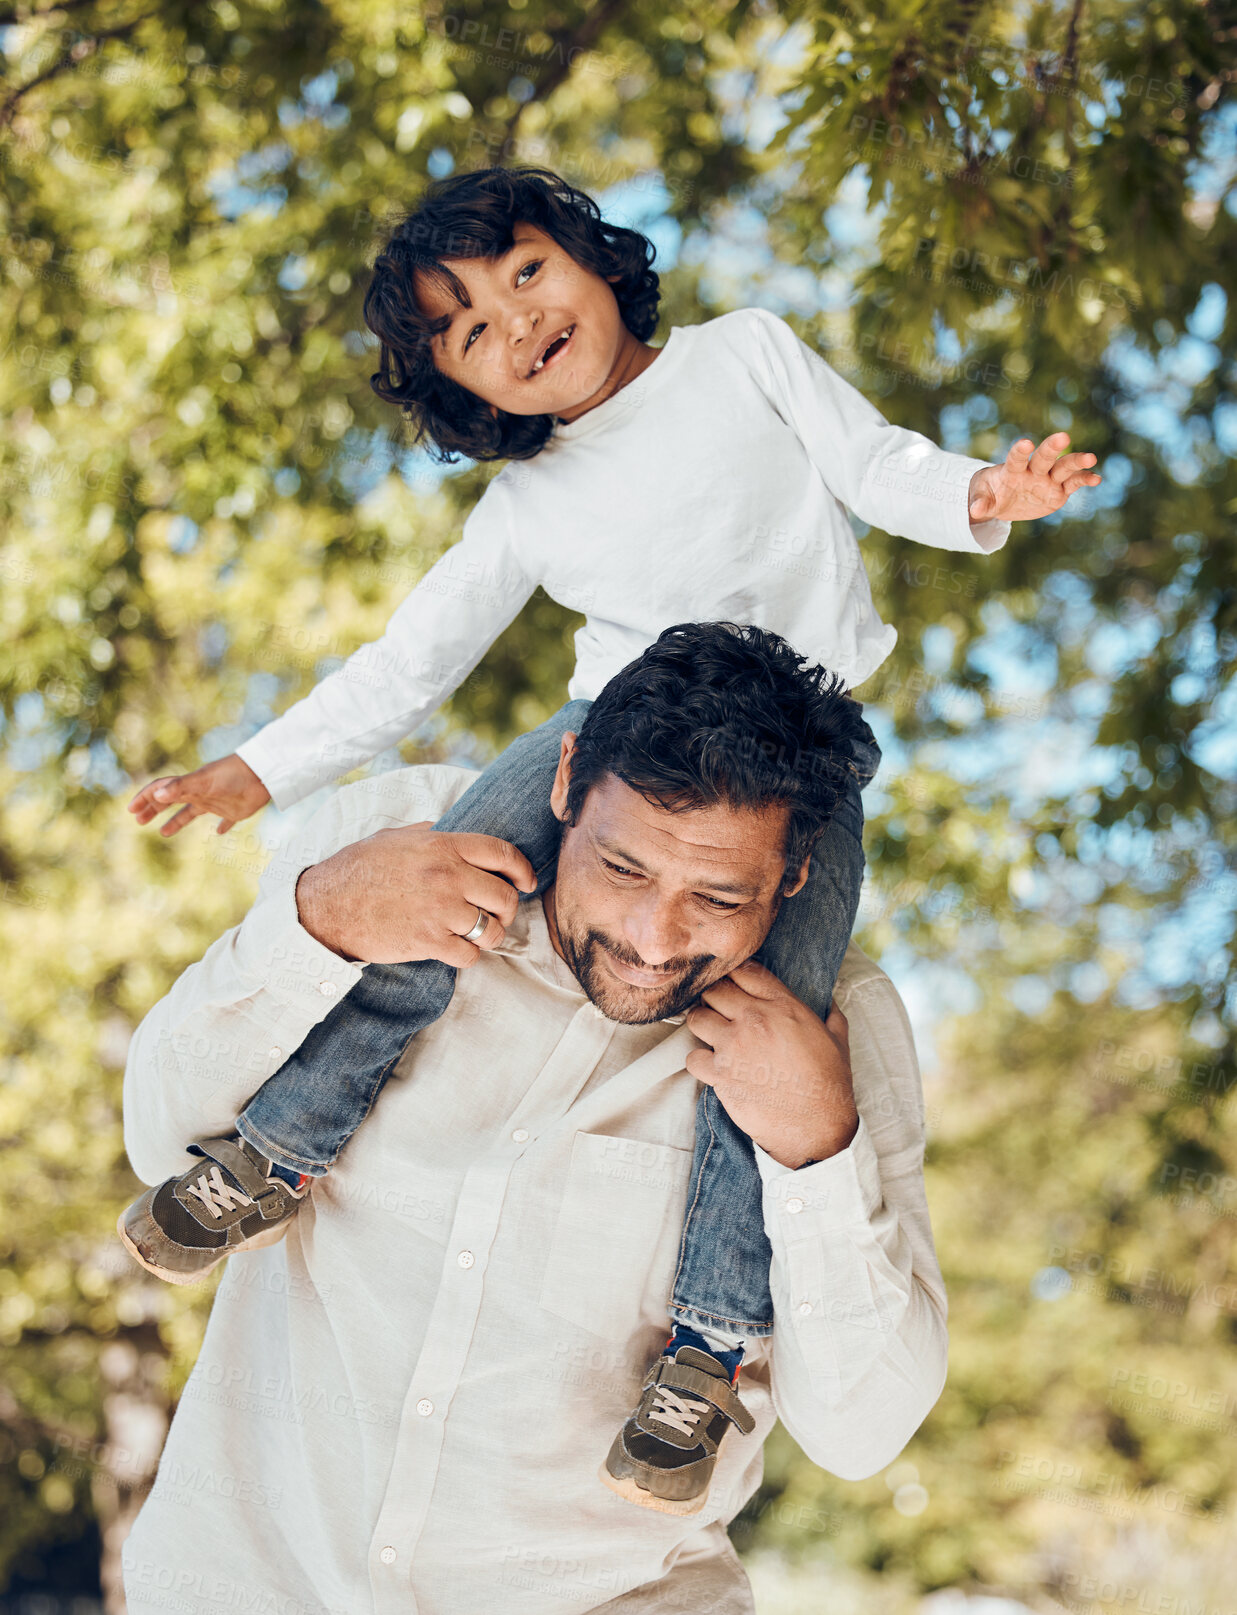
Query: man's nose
x=655 y=929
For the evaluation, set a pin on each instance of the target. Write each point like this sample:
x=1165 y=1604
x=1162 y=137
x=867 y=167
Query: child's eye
x=534 y=263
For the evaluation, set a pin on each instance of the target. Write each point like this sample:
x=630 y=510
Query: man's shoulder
x=862 y=986
x=400 y=795
x=421 y=791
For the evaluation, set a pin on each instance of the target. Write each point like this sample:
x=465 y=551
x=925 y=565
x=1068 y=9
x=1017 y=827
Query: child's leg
x=721 y=1288
x=305 y=1113
x=663 y=1458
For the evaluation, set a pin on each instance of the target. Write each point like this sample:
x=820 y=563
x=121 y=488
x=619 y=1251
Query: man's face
x=649 y=908
x=519 y=302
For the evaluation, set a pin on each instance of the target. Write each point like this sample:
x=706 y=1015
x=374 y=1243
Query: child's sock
x=293 y=1179
x=718 y=1345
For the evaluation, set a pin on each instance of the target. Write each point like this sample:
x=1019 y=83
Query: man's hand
x=412 y=893
x=781 y=1072
x=1033 y=482
x=228 y=787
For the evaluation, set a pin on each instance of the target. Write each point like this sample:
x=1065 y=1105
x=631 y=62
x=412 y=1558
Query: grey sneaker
x=664 y=1455
x=232 y=1201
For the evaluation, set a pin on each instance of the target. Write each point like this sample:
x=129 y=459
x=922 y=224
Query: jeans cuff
x=294 y=1163
x=712 y=1320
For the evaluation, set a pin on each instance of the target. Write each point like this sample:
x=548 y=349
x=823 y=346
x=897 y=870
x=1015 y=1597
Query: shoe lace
x=217 y=1195
x=677 y=1412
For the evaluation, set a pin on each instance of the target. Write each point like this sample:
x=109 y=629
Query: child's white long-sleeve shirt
x=713 y=487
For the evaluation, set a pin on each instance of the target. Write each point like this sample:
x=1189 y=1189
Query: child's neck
x=636 y=361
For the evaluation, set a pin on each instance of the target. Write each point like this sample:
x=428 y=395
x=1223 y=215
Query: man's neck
x=551 y=923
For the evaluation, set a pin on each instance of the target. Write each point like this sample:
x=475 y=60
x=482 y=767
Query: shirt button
x=327 y=989
x=520 y=1134
x=274 y=1054
x=425 y=1407
x=387 y=1556
x=466 y=1258
x=804 y=1308
x=793 y=1205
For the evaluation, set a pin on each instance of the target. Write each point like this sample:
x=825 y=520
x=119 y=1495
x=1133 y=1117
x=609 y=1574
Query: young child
x=706 y=479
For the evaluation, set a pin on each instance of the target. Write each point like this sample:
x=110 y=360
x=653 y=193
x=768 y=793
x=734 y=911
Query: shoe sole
x=631 y=1489
x=169 y=1276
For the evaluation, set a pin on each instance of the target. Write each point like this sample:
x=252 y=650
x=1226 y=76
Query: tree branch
x=70 y=58
x=9 y=19
x=569 y=40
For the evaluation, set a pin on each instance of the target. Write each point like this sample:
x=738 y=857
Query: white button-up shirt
x=400 y=1409
x=713 y=487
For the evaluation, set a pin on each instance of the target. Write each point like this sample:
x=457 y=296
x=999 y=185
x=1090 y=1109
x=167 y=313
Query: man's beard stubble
x=683 y=991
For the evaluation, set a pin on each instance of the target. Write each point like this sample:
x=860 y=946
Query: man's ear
x=807 y=863
x=562 y=777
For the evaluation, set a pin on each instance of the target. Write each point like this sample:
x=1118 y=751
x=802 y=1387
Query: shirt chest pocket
x=615 y=1245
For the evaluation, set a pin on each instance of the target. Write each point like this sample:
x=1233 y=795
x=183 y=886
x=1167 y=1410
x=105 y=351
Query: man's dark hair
x=474 y=216
x=714 y=712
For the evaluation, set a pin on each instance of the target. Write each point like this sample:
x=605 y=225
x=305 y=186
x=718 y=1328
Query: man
x=403 y=1406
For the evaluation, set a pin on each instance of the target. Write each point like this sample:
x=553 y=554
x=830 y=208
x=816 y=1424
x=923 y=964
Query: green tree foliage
x=204 y=507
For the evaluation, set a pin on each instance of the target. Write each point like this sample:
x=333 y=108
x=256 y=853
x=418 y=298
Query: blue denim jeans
x=306 y=1112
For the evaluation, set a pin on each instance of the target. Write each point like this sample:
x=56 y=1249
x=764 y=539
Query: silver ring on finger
x=479 y=926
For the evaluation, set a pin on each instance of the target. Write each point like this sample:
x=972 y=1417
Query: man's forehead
x=717 y=839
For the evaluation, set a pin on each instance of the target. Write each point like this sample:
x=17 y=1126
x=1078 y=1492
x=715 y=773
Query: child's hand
x=228 y=787
x=1033 y=481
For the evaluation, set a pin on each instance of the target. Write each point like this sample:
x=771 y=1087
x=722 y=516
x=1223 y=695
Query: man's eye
x=617 y=868
x=716 y=902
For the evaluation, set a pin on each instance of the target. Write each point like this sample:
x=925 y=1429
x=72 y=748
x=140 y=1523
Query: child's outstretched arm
x=383 y=692
x=897 y=479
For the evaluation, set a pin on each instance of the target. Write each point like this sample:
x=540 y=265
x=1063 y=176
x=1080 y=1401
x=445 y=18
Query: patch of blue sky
x=1026 y=762
x=1213 y=744
x=848 y=219
x=317 y=101
x=423 y=474
x=1114 y=647
x=363 y=460
x=239 y=189
x=182 y=535
x=641 y=203
x=1187 y=945
x=1013 y=655
x=34 y=737
x=1207 y=320
x=103 y=771
x=294 y=272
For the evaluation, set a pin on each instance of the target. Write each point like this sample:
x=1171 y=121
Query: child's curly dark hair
x=470 y=216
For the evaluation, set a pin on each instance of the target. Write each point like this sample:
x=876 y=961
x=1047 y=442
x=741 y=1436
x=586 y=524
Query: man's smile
x=634 y=977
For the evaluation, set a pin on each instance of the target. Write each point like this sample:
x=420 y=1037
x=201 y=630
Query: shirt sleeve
x=233 y=1018
x=387 y=689
x=859 y=1346
x=891 y=477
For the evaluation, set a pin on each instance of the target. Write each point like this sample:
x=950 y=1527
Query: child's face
x=520 y=303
